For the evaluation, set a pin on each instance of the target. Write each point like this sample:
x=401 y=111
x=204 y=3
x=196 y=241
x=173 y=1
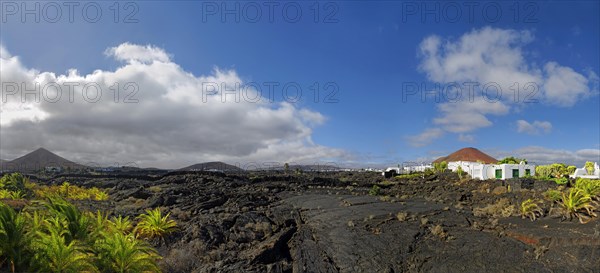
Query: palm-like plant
x=123 y=253
x=576 y=203
x=530 y=208
x=14 y=240
x=98 y=225
x=154 y=225
x=54 y=254
x=78 y=224
x=120 y=224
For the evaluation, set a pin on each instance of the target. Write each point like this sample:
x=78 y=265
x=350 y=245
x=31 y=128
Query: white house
x=583 y=173
x=484 y=171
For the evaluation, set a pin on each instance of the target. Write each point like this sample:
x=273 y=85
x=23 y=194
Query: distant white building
x=393 y=171
x=583 y=173
x=484 y=171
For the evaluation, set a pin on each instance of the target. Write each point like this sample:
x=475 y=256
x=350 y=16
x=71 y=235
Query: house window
x=499 y=173
x=515 y=173
x=527 y=172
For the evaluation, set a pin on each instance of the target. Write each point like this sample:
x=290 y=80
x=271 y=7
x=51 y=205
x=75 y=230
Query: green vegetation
x=460 y=172
x=571 y=169
x=13 y=238
x=553 y=195
x=549 y=172
x=589 y=187
x=72 y=192
x=440 y=167
x=16 y=186
x=512 y=160
x=561 y=180
x=577 y=204
x=375 y=190
x=408 y=176
x=53 y=235
x=589 y=167
x=119 y=252
x=154 y=225
x=530 y=208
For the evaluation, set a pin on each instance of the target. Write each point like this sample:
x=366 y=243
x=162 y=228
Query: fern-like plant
x=153 y=225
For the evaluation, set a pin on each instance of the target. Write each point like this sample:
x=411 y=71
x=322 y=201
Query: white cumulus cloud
x=533 y=128
x=161 y=116
x=491 y=60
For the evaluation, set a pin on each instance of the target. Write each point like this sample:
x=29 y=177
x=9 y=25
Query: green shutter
x=499 y=173
x=515 y=173
x=527 y=172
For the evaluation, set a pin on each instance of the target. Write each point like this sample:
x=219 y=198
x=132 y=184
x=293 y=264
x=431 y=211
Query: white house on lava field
x=477 y=164
x=482 y=166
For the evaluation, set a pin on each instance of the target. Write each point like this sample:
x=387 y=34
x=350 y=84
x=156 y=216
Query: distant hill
x=468 y=154
x=39 y=160
x=212 y=166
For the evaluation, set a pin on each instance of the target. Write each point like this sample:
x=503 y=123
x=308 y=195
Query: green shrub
x=561 y=181
x=440 y=167
x=409 y=176
x=553 y=195
x=375 y=190
x=71 y=192
x=512 y=160
x=589 y=167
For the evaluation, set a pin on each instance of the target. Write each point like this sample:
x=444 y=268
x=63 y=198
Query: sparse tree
x=286 y=167
x=512 y=160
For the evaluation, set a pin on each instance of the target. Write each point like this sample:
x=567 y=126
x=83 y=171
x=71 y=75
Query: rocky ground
x=328 y=222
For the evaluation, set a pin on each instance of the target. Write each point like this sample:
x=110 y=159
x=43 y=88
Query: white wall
x=488 y=171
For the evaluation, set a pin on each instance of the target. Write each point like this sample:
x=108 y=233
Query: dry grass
x=500 y=209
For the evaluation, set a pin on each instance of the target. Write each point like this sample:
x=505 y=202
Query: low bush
x=375 y=190
x=409 y=176
x=71 y=192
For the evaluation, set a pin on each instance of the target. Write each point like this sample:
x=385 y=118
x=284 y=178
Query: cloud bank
x=161 y=116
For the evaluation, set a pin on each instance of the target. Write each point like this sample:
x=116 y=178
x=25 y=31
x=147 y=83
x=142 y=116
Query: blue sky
x=369 y=49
